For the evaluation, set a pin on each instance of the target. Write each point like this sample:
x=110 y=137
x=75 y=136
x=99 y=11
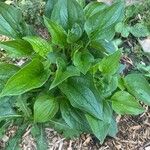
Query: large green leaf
x=93 y=8
x=40 y=46
x=11 y=22
x=31 y=76
x=138 y=86
x=17 y=48
x=82 y=97
x=7 y=70
x=99 y=127
x=67 y=13
x=63 y=72
x=110 y=64
x=6 y=109
x=59 y=36
x=45 y=108
x=73 y=117
x=124 y=103
x=104 y=20
x=83 y=60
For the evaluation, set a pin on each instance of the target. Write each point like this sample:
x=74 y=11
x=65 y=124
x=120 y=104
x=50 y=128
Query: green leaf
x=82 y=97
x=138 y=86
x=11 y=22
x=113 y=129
x=99 y=127
x=39 y=135
x=81 y=2
x=6 y=109
x=104 y=20
x=49 y=7
x=139 y=30
x=73 y=117
x=68 y=12
x=17 y=48
x=40 y=46
x=110 y=64
x=13 y=143
x=22 y=104
x=74 y=34
x=31 y=76
x=45 y=108
x=7 y=70
x=59 y=36
x=83 y=60
x=124 y=103
x=63 y=73
x=93 y=8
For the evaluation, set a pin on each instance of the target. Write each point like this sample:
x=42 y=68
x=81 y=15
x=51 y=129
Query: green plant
x=74 y=80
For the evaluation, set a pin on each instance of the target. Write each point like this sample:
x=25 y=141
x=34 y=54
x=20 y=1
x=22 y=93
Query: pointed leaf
x=31 y=76
x=110 y=64
x=59 y=36
x=40 y=46
x=124 y=103
x=82 y=97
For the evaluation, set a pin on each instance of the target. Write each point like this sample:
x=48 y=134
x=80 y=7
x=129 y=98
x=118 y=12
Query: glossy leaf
x=138 y=86
x=124 y=103
x=109 y=65
x=68 y=12
x=45 y=108
x=17 y=48
x=105 y=19
x=31 y=76
x=83 y=60
x=82 y=97
x=59 y=36
x=63 y=73
x=40 y=46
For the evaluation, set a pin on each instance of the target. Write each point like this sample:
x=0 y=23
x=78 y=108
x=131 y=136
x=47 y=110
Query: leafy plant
x=73 y=81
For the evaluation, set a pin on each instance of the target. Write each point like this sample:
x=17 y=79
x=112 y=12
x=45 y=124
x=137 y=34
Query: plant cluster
x=74 y=80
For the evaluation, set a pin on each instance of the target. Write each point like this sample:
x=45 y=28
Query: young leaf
x=11 y=22
x=100 y=128
x=83 y=60
x=74 y=34
x=31 y=76
x=105 y=19
x=40 y=46
x=39 y=135
x=93 y=8
x=17 y=48
x=73 y=117
x=67 y=13
x=109 y=65
x=59 y=35
x=82 y=97
x=63 y=72
x=45 y=108
x=124 y=103
x=138 y=86
x=6 y=109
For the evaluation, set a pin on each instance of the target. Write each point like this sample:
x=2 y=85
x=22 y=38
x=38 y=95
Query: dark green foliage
x=73 y=80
